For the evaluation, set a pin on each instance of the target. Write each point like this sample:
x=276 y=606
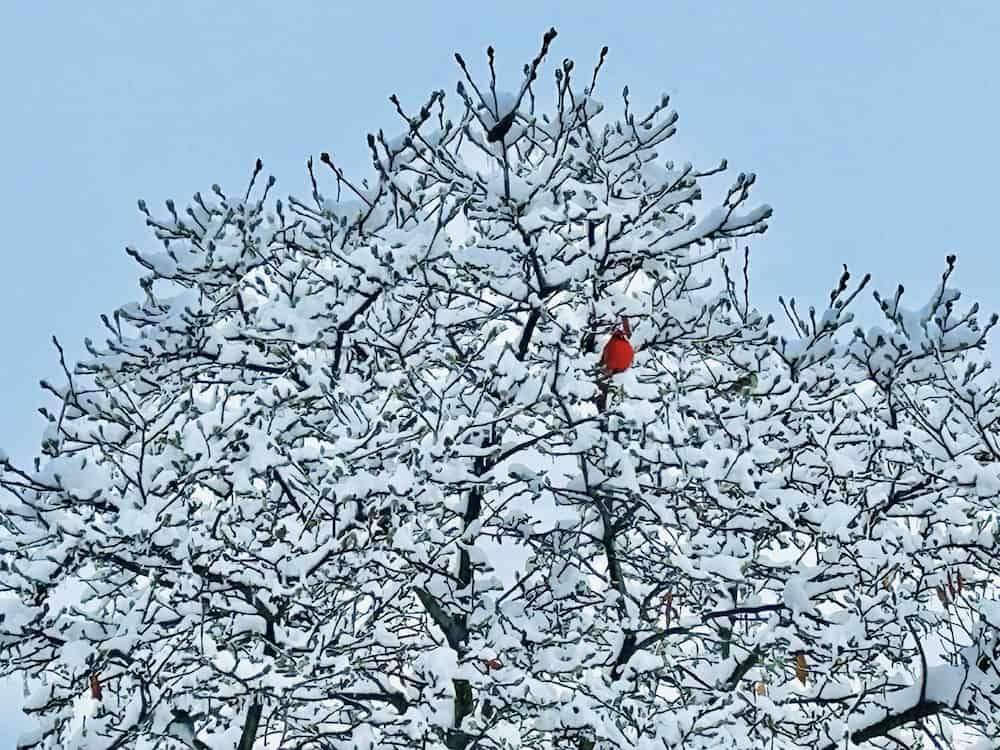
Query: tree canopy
x=351 y=474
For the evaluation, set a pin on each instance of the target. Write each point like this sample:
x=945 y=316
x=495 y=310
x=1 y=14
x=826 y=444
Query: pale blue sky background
x=871 y=127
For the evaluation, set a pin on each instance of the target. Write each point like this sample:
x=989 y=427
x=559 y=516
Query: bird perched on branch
x=618 y=352
x=616 y=357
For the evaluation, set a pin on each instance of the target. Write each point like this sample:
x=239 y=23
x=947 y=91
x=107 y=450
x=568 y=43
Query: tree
x=341 y=480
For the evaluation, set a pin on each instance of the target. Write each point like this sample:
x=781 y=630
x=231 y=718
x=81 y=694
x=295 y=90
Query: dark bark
x=498 y=131
x=250 y=727
x=921 y=710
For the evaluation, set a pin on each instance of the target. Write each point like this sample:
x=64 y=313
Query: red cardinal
x=618 y=352
x=95 y=687
x=616 y=357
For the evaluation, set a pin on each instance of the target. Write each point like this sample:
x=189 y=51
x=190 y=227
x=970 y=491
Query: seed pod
x=801 y=669
x=943 y=596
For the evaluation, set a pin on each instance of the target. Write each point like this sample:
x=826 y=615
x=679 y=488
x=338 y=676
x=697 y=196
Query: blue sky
x=871 y=127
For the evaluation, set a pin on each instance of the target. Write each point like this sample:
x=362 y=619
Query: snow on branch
x=489 y=450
